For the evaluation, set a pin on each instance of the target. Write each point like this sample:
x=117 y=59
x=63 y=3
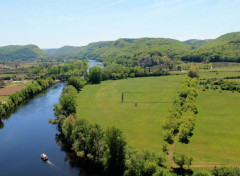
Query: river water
x=27 y=133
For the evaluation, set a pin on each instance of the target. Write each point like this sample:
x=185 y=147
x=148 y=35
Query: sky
x=56 y=23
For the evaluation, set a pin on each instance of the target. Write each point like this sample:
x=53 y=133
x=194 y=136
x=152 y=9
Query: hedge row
x=181 y=116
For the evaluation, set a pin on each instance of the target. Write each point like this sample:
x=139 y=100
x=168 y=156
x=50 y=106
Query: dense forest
x=131 y=52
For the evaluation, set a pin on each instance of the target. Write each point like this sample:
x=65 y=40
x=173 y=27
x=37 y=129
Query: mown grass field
x=216 y=137
x=142 y=125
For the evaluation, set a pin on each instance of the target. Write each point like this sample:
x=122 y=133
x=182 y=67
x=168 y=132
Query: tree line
x=114 y=72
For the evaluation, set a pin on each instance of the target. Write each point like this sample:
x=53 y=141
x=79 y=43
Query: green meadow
x=145 y=105
x=216 y=137
x=142 y=113
x=218 y=74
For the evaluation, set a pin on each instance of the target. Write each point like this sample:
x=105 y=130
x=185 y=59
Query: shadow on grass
x=182 y=171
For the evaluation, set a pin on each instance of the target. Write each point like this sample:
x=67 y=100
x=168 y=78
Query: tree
x=95 y=75
x=193 y=72
x=77 y=82
x=116 y=149
x=67 y=101
x=182 y=159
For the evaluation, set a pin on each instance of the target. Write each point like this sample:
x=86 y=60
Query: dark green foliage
x=77 y=82
x=116 y=149
x=95 y=75
x=182 y=159
x=226 y=171
x=23 y=53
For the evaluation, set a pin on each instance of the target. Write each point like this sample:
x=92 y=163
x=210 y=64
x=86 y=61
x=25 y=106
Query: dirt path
x=171 y=151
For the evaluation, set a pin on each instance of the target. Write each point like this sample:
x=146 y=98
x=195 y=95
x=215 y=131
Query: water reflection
x=1 y=124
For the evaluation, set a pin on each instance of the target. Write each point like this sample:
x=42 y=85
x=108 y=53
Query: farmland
x=10 y=90
x=142 y=125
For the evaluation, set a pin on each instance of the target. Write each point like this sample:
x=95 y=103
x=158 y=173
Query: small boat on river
x=44 y=157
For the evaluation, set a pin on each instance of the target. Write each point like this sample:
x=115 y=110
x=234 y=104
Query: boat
x=44 y=157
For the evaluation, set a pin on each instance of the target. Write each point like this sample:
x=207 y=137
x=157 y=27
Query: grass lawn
x=216 y=137
x=142 y=125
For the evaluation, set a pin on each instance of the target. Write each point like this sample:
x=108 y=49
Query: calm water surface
x=26 y=134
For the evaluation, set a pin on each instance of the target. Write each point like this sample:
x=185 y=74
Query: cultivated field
x=142 y=125
x=10 y=90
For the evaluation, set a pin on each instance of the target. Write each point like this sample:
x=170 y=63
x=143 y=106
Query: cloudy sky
x=55 y=23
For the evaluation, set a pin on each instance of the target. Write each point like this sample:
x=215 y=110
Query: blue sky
x=55 y=23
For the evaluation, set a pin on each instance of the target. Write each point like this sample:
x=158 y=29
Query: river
x=27 y=133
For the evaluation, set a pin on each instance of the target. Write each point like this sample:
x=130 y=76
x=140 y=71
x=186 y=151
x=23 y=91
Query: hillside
x=65 y=51
x=131 y=51
x=225 y=48
x=23 y=53
x=195 y=43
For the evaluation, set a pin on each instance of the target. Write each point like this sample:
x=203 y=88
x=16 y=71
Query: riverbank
x=17 y=98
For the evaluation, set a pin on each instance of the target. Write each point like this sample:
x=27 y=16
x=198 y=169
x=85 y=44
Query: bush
x=193 y=72
x=95 y=75
x=168 y=136
x=77 y=82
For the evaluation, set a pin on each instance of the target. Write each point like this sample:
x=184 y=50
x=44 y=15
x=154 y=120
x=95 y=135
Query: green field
x=216 y=137
x=218 y=74
x=142 y=125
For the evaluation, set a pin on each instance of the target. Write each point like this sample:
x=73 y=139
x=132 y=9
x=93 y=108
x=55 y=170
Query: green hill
x=131 y=51
x=195 y=43
x=225 y=48
x=65 y=51
x=23 y=53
